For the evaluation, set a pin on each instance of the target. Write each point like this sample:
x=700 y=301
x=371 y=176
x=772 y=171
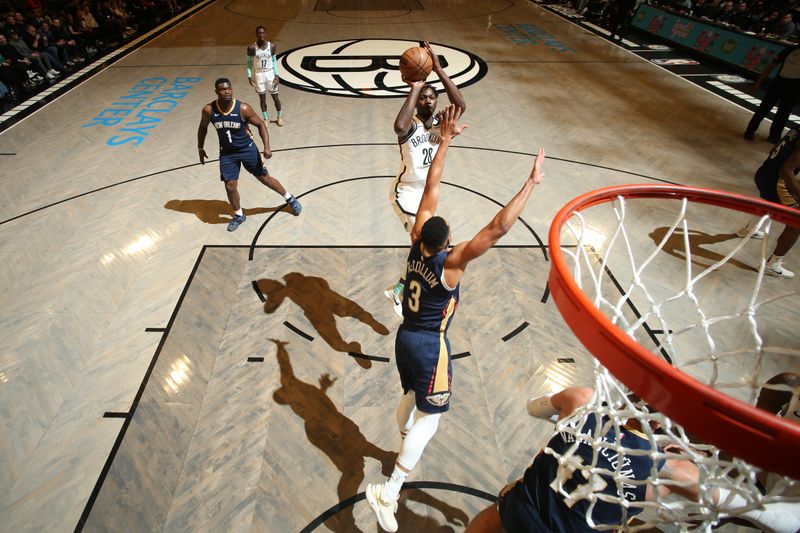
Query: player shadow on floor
x=320 y=305
x=214 y=211
x=341 y=440
x=697 y=246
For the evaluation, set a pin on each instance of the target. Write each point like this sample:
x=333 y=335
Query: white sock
x=287 y=196
x=774 y=259
x=239 y=212
x=391 y=489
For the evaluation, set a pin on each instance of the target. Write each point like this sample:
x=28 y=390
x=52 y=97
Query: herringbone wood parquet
x=218 y=443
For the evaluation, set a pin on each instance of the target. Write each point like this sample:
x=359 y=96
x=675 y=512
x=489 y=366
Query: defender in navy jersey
x=417 y=130
x=533 y=503
x=777 y=182
x=231 y=120
x=422 y=351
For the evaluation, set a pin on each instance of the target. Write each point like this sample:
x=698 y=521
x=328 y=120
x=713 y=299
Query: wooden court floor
x=158 y=373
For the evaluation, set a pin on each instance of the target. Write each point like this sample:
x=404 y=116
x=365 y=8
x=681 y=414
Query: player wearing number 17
x=422 y=351
x=262 y=72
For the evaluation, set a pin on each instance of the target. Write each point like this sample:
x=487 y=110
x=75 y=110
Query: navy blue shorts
x=767 y=184
x=230 y=163
x=517 y=513
x=423 y=360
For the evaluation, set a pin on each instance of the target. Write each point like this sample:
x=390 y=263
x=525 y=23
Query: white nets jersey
x=416 y=153
x=263 y=59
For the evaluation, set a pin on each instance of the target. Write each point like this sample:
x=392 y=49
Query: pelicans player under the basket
x=262 y=71
x=422 y=351
x=536 y=502
x=418 y=137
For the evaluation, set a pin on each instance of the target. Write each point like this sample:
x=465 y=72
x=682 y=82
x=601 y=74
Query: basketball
x=415 y=64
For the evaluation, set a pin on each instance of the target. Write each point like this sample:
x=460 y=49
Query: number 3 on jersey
x=413 y=294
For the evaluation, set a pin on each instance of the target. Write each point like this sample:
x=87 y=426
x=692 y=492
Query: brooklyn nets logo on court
x=368 y=67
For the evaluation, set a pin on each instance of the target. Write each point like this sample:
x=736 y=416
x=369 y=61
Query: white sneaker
x=383 y=511
x=776 y=269
x=742 y=233
x=51 y=76
x=396 y=303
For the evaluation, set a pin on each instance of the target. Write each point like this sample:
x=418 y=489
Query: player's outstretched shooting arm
x=453 y=92
x=402 y=123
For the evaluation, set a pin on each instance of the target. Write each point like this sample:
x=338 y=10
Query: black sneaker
x=236 y=221
x=749 y=135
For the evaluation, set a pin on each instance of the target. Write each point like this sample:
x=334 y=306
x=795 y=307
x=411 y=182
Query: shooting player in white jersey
x=418 y=137
x=262 y=72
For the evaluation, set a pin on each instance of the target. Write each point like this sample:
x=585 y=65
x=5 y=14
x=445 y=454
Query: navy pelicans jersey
x=416 y=153
x=263 y=58
x=767 y=175
x=231 y=128
x=558 y=511
x=427 y=303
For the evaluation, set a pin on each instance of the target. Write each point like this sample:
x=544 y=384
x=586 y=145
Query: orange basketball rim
x=756 y=436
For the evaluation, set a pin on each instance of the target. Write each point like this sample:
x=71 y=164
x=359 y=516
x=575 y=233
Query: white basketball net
x=715 y=321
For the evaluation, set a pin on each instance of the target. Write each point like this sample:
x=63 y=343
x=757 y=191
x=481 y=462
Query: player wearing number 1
x=418 y=137
x=231 y=119
x=422 y=351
